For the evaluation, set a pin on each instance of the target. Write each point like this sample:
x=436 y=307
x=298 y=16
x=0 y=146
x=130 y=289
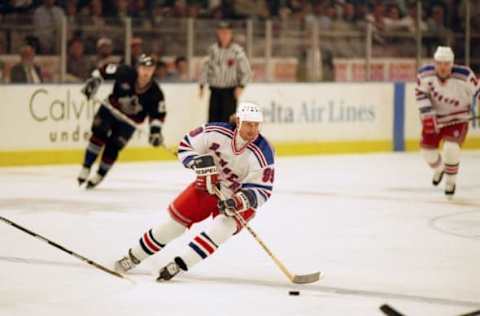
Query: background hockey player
x=444 y=94
x=135 y=96
x=237 y=159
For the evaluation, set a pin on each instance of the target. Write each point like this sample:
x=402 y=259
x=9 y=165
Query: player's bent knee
x=430 y=155
x=119 y=142
x=222 y=228
x=451 y=152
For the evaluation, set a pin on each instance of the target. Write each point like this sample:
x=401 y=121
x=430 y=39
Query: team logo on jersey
x=130 y=105
x=125 y=86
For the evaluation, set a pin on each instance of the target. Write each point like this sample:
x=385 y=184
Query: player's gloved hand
x=239 y=202
x=207 y=173
x=155 y=138
x=91 y=87
x=429 y=123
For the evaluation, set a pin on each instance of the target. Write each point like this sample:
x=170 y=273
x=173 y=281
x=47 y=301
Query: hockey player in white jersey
x=444 y=95
x=236 y=159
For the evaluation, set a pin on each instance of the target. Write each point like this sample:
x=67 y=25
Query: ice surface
x=373 y=223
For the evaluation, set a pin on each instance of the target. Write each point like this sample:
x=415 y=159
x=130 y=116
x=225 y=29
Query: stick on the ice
x=129 y=121
x=294 y=278
x=475 y=313
x=54 y=244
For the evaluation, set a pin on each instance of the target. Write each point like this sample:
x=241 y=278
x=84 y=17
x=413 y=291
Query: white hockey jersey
x=450 y=99
x=250 y=167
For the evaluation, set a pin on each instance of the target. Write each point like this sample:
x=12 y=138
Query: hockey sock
x=155 y=239
x=451 y=156
x=93 y=149
x=205 y=243
x=433 y=158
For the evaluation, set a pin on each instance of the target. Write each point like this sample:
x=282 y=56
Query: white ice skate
x=94 y=181
x=172 y=269
x=83 y=175
x=437 y=177
x=126 y=263
x=449 y=189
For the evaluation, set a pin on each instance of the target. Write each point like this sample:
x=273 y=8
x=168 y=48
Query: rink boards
x=45 y=124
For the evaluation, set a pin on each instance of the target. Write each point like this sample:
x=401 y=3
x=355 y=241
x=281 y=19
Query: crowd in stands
x=440 y=19
x=386 y=14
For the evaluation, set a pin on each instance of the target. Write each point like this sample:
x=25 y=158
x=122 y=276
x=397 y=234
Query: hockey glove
x=155 y=138
x=91 y=87
x=429 y=123
x=239 y=202
x=207 y=174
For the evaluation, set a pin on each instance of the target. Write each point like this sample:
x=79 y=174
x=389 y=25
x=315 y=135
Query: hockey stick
x=54 y=244
x=294 y=278
x=473 y=118
x=128 y=120
x=389 y=311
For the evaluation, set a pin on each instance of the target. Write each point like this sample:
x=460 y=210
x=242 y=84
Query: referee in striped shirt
x=226 y=71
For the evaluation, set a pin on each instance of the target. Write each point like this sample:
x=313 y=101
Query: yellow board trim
x=75 y=156
x=470 y=143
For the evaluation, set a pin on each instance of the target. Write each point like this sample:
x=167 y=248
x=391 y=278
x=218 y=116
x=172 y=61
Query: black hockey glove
x=156 y=138
x=239 y=202
x=91 y=87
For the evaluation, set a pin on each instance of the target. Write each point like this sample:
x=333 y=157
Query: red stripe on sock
x=149 y=243
x=204 y=244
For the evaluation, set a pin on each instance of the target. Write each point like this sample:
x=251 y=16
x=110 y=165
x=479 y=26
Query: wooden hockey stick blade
x=307 y=278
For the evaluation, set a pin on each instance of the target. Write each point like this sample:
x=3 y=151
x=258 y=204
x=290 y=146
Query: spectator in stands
x=377 y=17
x=436 y=26
x=181 y=70
x=104 y=52
x=2 y=72
x=136 y=49
x=161 y=72
x=475 y=14
x=410 y=21
x=47 y=19
x=436 y=21
x=95 y=15
x=26 y=71
x=71 y=10
x=393 y=20
x=78 y=65
x=121 y=9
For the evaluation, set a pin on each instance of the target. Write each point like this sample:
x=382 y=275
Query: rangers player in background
x=444 y=94
x=135 y=96
x=234 y=158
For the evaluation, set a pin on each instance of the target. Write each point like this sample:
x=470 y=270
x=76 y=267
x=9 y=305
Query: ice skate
x=450 y=190
x=94 y=181
x=437 y=177
x=126 y=263
x=83 y=175
x=171 y=270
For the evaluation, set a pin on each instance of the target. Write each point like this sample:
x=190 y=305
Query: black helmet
x=146 y=60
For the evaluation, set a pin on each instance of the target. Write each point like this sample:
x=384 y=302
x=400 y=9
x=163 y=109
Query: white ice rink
x=372 y=223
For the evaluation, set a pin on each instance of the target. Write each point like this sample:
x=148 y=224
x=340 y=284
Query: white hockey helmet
x=249 y=112
x=444 y=54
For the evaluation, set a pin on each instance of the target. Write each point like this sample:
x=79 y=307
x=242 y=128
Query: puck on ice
x=295 y=293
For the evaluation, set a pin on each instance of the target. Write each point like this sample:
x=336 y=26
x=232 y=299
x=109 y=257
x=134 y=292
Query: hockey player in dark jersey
x=135 y=96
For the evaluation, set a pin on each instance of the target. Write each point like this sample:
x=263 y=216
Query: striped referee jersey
x=226 y=67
